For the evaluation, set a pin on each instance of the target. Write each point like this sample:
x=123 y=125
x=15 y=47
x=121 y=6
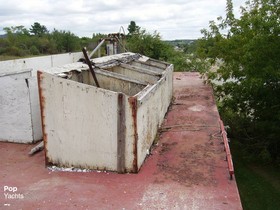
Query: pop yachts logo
x=12 y=193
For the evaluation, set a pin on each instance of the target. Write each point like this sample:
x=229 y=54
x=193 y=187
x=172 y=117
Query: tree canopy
x=247 y=81
x=151 y=45
x=20 y=41
x=133 y=28
x=38 y=29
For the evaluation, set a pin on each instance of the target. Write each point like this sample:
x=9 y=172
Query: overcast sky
x=173 y=19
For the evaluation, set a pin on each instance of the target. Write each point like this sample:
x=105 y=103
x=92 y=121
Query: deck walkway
x=185 y=170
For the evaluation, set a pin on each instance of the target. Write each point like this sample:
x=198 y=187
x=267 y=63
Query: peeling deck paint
x=185 y=170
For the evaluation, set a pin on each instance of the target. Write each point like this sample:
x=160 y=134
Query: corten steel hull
x=107 y=128
x=186 y=169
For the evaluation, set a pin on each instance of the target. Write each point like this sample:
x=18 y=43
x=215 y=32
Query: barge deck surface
x=186 y=169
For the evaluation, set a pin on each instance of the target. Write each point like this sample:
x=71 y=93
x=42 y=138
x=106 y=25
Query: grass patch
x=258 y=184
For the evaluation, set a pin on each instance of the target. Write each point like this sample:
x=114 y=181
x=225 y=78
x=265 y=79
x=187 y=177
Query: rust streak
x=133 y=105
x=121 y=134
x=227 y=149
x=42 y=106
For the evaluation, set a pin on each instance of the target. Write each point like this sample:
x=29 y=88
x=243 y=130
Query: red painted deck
x=186 y=170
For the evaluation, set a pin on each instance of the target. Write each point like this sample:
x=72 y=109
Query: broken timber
x=90 y=67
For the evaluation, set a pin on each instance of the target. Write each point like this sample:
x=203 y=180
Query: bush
x=249 y=87
x=34 y=50
x=15 y=51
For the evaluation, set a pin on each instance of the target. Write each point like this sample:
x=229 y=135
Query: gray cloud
x=172 y=19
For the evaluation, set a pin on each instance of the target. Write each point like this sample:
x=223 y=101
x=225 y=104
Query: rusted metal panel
x=227 y=149
x=121 y=133
x=42 y=108
x=133 y=106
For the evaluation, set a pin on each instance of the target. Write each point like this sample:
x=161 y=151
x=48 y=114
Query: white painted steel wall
x=79 y=124
x=20 y=118
x=152 y=107
x=38 y=63
x=35 y=109
x=15 y=108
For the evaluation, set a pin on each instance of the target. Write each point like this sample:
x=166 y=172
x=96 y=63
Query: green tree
x=17 y=41
x=34 y=50
x=65 y=41
x=133 y=28
x=148 y=44
x=38 y=29
x=16 y=30
x=151 y=45
x=247 y=82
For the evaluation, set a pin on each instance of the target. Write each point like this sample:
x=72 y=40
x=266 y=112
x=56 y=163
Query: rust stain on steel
x=42 y=107
x=227 y=149
x=133 y=105
x=121 y=134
